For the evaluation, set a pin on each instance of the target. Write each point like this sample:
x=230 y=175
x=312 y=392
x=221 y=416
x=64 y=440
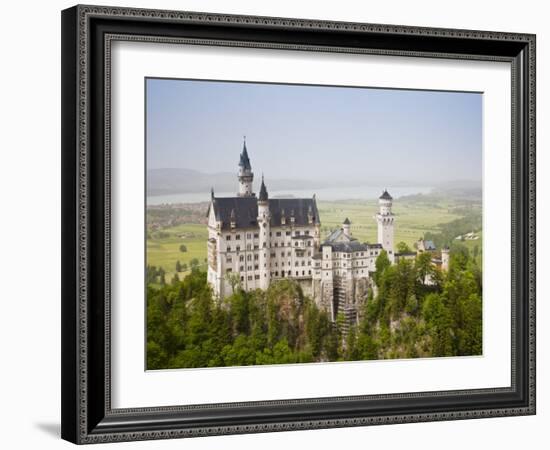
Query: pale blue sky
x=313 y=132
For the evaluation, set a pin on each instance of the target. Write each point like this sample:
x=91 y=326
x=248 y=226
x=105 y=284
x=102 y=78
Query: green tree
x=162 y=276
x=178 y=266
x=183 y=248
x=381 y=264
x=423 y=266
x=234 y=280
x=402 y=247
x=438 y=321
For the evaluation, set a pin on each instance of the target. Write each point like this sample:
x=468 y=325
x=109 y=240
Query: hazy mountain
x=180 y=181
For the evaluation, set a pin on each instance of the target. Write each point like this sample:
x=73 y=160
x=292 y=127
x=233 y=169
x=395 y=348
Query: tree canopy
x=412 y=310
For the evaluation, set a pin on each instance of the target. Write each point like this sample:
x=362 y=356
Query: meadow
x=414 y=217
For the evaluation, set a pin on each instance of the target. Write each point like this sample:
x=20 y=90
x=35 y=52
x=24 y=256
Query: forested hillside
x=186 y=327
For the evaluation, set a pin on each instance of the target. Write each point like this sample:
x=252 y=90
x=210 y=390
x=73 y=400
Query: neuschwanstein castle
x=264 y=239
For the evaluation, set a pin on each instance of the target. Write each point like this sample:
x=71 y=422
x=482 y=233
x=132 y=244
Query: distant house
x=423 y=245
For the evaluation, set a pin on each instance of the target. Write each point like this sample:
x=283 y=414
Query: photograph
x=294 y=223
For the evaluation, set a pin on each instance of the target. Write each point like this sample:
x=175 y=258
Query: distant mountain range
x=183 y=181
x=178 y=181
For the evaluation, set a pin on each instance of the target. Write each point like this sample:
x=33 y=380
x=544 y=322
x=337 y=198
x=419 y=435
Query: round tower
x=264 y=217
x=245 y=174
x=445 y=254
x=385 y=220
x=346 y=227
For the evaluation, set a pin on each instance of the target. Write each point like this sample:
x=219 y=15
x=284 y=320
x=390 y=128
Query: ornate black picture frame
x=87 y=33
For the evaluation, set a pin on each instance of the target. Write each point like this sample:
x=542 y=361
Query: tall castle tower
x=245 y=174
x=445 y=259
x=385 y=220
x=264 y=224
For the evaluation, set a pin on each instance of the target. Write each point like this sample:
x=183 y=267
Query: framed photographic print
x=279 y=224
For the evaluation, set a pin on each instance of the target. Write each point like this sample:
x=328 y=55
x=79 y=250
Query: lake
x=324 y=194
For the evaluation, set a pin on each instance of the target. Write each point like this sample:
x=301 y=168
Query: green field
x=472 y=244
x=165 y=252
x=413 y=219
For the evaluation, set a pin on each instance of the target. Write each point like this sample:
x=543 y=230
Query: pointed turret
x=244 y=161
x=346 y=227
x=264 y=225
x=245 y=173
x=386 y=195
x=263 y=192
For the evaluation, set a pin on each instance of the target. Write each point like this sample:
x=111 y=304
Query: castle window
x=297 y=233
x=289 y=273
x=256 y=267
x=276 y=273
x=303 y=263
x=228 y=237
x=296 y=264
x=228 y=270
x=276 y=244
x=307 y=232
x=229 y=259
x=242 y=278
x=249 y=277
x=264 y=245
x=256 y=277
x=248 y=257
x=297 y=273
x=241 y=269
x=309 y=272
x=229 y=248
x=238 y=248
x=309 y=253
x=287 y=233
x=238 y=237
x=248 y=246
x=309 y=263
x=303 y=272
x=278 y=234
x=256 y=247
x=248 y=236
x=241 y=258
x=256 y=257
x=256 y=235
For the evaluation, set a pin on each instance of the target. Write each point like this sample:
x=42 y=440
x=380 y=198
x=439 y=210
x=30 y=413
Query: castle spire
x=245 y=173
x=263 y=192
x=244 y=161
